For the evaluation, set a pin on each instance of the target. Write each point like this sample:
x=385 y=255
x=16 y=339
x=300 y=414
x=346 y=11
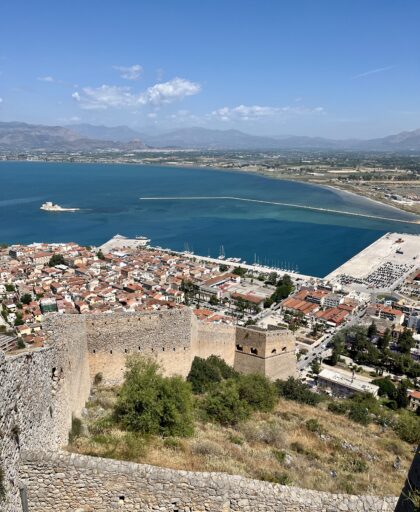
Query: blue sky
x=336 y=68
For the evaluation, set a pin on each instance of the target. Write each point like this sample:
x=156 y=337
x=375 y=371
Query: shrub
x=98 y=379
x=223 y=404
x=408 y=427
x=172 y=443
x=76 y=429
x=258 y=392
x=101 y=426
x=235 y=439
x=149 y=403
x=337 y=407
x=356 y=466
x=294 y=389
x=275 y=478
x=205 y=373
x=360 y=413
x=279 y=455
x=313 y=425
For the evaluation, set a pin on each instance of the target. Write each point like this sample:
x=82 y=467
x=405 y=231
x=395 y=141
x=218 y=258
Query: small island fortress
x=51 y=207
x=41 y=389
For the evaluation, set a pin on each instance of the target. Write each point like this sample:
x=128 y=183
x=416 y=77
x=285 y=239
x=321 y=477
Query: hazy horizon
x=324 y=69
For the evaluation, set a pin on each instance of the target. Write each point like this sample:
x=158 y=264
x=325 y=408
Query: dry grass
x=336 y=456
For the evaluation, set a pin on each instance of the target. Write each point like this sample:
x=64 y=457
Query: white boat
x=51 y=207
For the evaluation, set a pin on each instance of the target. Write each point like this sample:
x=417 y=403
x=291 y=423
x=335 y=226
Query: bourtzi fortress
x=41 y=389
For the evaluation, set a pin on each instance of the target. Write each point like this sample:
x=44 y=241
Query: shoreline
x=335 y=188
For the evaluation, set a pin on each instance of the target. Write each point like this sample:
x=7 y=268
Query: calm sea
x=109 y=196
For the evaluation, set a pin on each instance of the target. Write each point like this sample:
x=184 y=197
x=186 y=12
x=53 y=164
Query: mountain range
x=16 y=136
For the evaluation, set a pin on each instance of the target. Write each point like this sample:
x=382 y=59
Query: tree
x=26 y=298
x=205 y=373
x=258 y=392
x=384 y=340
x=149 y=403
x=239 y=271
x=315 y=367
x=401 y=397
x=56 y=259
x=406 y=341
x=214 y=301
x=372 y=330
x=223 y=268
x=294 y=389
x=272 y=278
x=100 y=255
x=19 y=319
x=224 y=405
x=386 y=387
x=10 y=287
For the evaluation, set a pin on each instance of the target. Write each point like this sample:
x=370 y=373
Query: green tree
x=258 y=392
x=223 y=268
x=294 y=389
x=26 y=298
x=100 y=255
x=401 y=396
x=239 y=271
x=56 y=259
x=149 y=403
x=315 y=367
x=19 y=319
x=10 y=287
x=406 y=341
x=384 y=340
x=386 y=387
x=214 y=301
x=223 y=404
x=372 y=330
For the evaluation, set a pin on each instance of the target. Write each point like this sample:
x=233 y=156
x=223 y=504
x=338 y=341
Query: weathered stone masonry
x=64 y=482
x=41 y=389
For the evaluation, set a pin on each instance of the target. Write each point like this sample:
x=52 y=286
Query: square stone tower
x=269 y=352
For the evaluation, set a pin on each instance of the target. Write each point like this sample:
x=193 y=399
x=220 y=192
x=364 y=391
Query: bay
x=109 y=197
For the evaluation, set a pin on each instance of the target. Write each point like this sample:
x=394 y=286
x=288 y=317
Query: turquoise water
x=109 y=195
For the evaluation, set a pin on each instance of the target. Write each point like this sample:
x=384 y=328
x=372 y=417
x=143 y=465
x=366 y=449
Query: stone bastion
x=41 y=389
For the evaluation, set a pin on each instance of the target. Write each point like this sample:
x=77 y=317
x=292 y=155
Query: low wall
x=68 y=482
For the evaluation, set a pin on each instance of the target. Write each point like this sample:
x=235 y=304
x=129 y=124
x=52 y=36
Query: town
x=378 y=289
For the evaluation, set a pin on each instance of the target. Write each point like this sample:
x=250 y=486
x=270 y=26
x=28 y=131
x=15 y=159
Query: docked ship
x=51 y=207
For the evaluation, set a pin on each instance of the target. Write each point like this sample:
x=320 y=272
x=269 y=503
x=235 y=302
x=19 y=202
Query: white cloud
x=372 y=72
x=166 y=92
x=113 y=96
x=255 y=112
x=130 y=72
x=46 y=79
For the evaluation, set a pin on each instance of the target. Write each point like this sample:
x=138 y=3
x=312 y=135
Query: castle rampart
x=41 y=389
x=66 y=482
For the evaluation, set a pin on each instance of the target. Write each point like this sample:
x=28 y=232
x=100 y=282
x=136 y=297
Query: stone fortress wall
x=41 y=389
x=39 y=392
x=66 y=482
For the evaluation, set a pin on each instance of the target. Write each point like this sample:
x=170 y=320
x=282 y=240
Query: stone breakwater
x=66 y=482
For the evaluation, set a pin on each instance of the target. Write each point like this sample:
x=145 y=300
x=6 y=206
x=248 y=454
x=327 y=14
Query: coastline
x=255 y=172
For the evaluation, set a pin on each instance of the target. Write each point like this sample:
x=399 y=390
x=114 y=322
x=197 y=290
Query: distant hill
x=26 y=137
x=85 y=137
x=114 y=133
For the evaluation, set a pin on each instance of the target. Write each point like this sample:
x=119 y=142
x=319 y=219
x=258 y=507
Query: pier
x=277 y=203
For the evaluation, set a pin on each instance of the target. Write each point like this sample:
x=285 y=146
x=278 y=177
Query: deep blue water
x=109 y=195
